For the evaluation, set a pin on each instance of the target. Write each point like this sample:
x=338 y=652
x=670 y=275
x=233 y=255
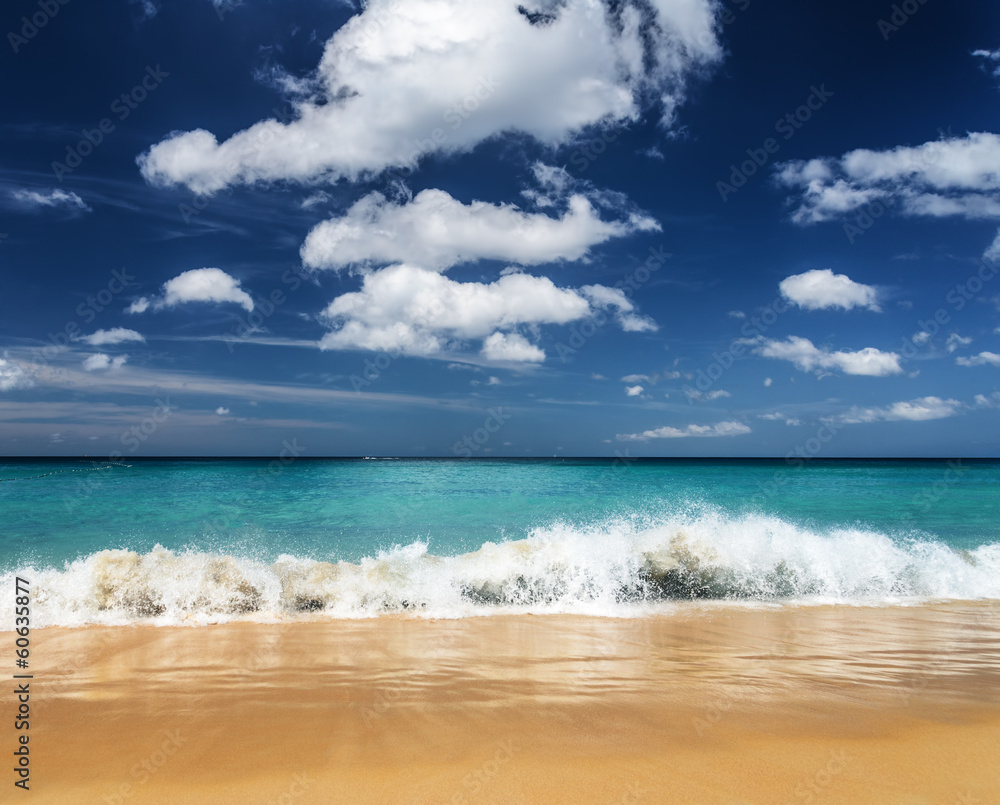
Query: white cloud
x=116 y=335
x=992 y=252
x=140 y=305
x=315 y=199
x=953 y=176
x=416 y=311
x=821 y=288
x=100 y=362
x=808 y=357
x=36 y=199
x=638 y=379
x=434 y=230
x=493 y=381
x=990 y=56
x=767 y=382
x=634 y=391
x=988 y=401
x=222 y=411
x=604 y=298
x=919 y=410
x=721 y=429
x=14 y=376
x=203 y=285
x=776 y=417
x=705 y=396
x=736 y=314
x=511 y=347
x=982 y=359
x=955 y=341
x=921 y=338
x=401 y=80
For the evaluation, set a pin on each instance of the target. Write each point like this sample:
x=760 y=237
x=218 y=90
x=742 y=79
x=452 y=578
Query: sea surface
x=205 y=541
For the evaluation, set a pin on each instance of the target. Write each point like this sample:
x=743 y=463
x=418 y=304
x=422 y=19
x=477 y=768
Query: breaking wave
x=622 y=568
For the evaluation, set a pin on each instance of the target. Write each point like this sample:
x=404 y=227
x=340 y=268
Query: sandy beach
x=715 y=704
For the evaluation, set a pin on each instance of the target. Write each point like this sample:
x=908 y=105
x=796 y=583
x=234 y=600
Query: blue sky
x=464 y=228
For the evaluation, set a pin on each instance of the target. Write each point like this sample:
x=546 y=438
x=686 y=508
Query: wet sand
x=894 y=706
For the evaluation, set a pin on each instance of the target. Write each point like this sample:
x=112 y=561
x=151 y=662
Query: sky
x=474 y=228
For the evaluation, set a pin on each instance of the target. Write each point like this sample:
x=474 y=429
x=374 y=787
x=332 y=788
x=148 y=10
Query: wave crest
x=622 y=567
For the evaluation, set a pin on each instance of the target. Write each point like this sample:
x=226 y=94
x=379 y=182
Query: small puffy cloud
x=493 y=381
x=767 y=382
x=982 y=359
x=821 y=288
x=736 y=314
x=730 y=428
x=955 y=341
x=437 y=231
x=921 y=338
x=204 y=285
x=34 y=200
x=806 y=356
x=100 y=362
x=116 y=335
x=221 y=411
x=920 y=410
x=988 y=401
x=416 y=311
x=511 y=347
x=14 y=376
x=634 y=391
x=140 y=305
x=399 y=81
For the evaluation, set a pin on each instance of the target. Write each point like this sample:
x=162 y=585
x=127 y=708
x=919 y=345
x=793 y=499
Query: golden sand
x=816 y=706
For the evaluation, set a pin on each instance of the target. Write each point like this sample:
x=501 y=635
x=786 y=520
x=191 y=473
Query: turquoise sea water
x=200 y=541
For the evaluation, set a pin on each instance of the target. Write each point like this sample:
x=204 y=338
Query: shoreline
x=710 y=705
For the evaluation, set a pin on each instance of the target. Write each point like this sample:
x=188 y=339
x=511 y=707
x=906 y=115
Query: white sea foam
x=624 y=567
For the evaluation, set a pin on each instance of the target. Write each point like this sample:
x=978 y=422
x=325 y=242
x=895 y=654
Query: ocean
x=207 y=541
